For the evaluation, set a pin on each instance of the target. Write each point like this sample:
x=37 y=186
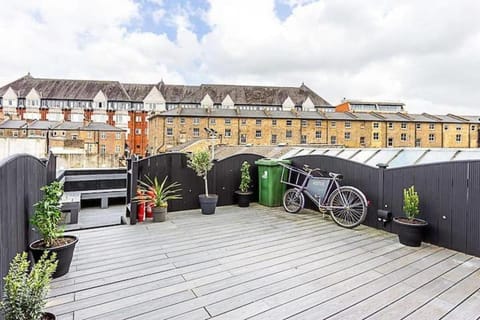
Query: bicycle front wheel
x=348 y=207
x=293 y=200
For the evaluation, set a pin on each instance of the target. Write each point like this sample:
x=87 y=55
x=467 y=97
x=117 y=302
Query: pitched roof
x=13 y=124
x=43 y=124
x=114 y=90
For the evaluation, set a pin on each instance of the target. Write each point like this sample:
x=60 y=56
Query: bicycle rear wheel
x=348 y=207
x=293 y=200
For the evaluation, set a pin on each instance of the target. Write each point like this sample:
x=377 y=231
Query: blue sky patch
x=160 y=16
x=282 y=9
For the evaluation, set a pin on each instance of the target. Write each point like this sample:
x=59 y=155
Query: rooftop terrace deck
x=261 y=263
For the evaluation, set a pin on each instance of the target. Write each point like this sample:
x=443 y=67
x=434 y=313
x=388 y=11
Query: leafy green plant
x=151 y=191
x=47 y=214
x=245 y=177
x=201 y=163
x=411 y=203
x=25 y=292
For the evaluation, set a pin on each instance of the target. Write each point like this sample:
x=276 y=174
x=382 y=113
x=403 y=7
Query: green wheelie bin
x=270 y=188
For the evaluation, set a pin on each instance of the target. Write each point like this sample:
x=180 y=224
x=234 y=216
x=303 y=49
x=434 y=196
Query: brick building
x=348 y=129
x=93 y=137
x=128 y=106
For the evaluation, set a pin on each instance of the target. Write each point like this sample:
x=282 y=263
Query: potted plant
x=201 y=163
x=25 y=291
x=158 y=194
x=244 y=193
x=410 y=228
x=46 y=221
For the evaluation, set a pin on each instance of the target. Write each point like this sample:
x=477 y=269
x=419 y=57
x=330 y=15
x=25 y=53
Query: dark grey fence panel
x=473 y=212
x=223 y=179
x=227 y=176
x=443 y=192
x=355 y=174
x=21 y=177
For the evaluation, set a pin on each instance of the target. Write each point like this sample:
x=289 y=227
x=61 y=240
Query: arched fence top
x=18 y=156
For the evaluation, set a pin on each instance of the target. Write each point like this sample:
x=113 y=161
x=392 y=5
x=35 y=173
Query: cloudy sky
x=425 y=53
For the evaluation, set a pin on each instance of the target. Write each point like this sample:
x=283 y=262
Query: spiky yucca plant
x=157 y=193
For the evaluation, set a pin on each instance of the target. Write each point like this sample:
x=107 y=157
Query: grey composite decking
x=261 y=263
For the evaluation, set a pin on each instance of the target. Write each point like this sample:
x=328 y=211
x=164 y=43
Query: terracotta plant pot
x=159 y=214
x=410 y=233
x=64 y=254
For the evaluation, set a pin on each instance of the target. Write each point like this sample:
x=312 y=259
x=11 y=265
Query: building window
x=213 y=121
x=228 y=121
x=117 y=149
x=375 y=136
x=139 y=131
x=228 y=133
x=169 y=132
x=333 y=124
x=473 y=128
x=304 y=123
x=333 y=140
x=14 y=133
x=258 y=122
x=458 y=138
x=347 y=135
x=274 y=139
x=258 y=133
x=288 y=134
x=375 y=125
x=431 y=126
x=390 y=125
x=288 y=123
x=348 y=124
x=318 y=134
x=419 y=126
x=169 y=120
x=63 y=133
x=362 y=141
x=139 y=119
x=431 y=137
x=182 y=120
x=89 y=134
x=118 y=135
x=196 y=132
x=418 y=142
x=318 y=123
x=303 y=139
x=274 y=122
x=403 y=137
x=243 y=138
x=243 y=122
x=446 y=127
x=362 y=125
x=103 y=149
x=103 y=135
x=404 y=125
x=196 y=121
x=459 y=128
x=390 y=142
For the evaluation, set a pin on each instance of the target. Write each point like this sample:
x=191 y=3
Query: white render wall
x=34 y=146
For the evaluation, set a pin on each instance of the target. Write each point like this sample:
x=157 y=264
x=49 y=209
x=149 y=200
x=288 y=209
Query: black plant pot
x=64 y=254
x=410 y=233
x=48 y=316
x=243 y=198
x=208 y=204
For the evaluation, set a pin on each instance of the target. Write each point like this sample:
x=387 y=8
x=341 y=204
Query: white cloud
x=426 y=53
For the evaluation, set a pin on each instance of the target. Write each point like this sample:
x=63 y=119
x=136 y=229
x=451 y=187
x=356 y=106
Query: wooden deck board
x=259 y=263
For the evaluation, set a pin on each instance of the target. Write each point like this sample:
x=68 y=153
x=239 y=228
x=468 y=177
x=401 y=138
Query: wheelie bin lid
x=271 y=162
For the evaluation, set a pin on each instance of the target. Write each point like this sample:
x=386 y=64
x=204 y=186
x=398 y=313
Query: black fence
x=21 y=177
x=449 y=192
x=449 y=196
x=223 y=179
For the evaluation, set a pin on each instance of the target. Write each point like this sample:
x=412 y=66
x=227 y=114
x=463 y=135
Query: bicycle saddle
x=334 y=175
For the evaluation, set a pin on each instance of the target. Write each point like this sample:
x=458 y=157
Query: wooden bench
x=103 y=195
x=70 y=206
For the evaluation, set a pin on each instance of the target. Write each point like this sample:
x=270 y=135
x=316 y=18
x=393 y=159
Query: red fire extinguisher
x=148 y=210
x=141 y=212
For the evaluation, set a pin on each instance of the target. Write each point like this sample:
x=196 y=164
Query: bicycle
x=347 y=205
